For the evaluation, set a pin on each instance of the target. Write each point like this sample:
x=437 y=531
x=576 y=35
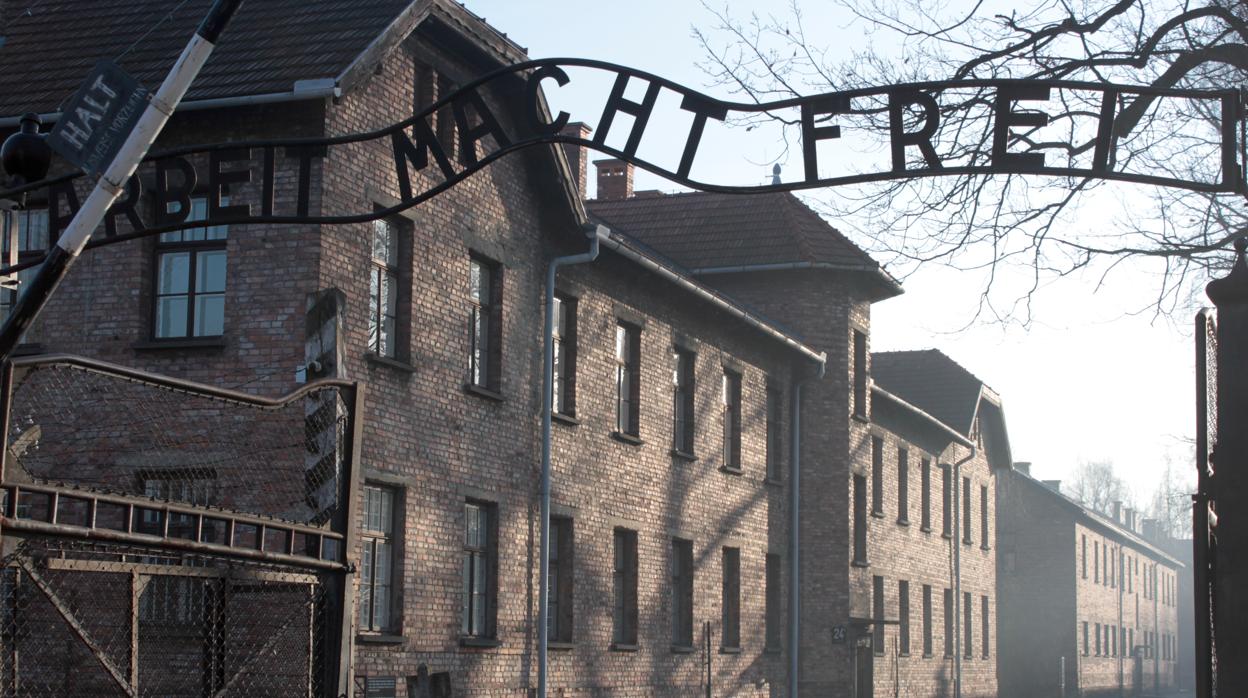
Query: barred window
x=683 y=390
x=903 y=486
x=877 y=476
x=903 y=616
x=925 y=473
x=377 y=564
x=485 y=323
x=624 y=588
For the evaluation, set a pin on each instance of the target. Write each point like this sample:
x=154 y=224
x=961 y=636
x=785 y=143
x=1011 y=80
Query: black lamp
x=26 y=155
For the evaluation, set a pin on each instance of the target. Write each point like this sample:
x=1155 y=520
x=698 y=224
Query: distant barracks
x=741 y=487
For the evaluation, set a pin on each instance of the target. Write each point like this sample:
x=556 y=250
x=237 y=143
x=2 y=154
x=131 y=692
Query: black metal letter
x=811 y=134
x=639 y=110
x=702 y=109
x=304 y=154
x=469 y=135
x=218 y=180
x=128 y=206
x=57 y=222
x=165 y=195
x=899 y=139
x=1005 y=118
x=417 y=153
x=533 y=112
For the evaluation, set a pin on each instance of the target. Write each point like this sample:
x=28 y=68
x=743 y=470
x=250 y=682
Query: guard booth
x=166 y=538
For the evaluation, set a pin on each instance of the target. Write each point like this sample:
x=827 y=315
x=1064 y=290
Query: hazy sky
x=1084 y=381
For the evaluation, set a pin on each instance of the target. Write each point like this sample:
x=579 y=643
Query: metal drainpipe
x=795 y=503
x=955 y=540
x=548 y=378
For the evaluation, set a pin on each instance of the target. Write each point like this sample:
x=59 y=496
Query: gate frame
x=339 y=670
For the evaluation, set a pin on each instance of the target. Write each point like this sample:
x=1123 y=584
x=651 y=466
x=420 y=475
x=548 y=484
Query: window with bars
x=925 y=475
x=730 y=606
x=33 y=239
x=377 y=537
x=948 y=622
x=683 y=382
x=927 y=620
x=860 y=520
x=903 y=486
x=1085 y=638
x=968 y=626
x=946 y=501
x=563 y=336
x=731 y=403
x=682 y=593
x=903 y=617
x=480 y=564
x=967 y=521
x=860 y=375
x=624 y=588
x=560 y=580
x=983 y=517
x=984 y=626
x=386 y=304
x=877 y=614
x=627 y=378
x=877 y=476
x=485 y=323
x=1083 y=555
x=775 y=432
x=772 y=600
x=174 y=601
x=190 y=278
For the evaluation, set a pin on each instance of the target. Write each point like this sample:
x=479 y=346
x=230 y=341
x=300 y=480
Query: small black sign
x=838 y=634
x=99 y=117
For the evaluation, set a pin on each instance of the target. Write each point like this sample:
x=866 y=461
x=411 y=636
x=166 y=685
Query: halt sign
x=99 y=117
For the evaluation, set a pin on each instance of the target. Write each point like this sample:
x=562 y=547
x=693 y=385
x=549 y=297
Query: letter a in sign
x=99 y=117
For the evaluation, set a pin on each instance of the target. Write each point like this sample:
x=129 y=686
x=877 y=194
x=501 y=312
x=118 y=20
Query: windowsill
x=629 y=439
x=479 y=391
x=731 y=470
x=878 y=514
x=773 y=650
x=967 y=542
x=860 y=563
x=683 y=649
x=562 y=418
x=774 y=481
x=730 y=650
x=483 y=642
x=903 y=522
x=927 y=655
x=925 y=529
x=561 y=645
x=180 y=343
x=389 y=362
x=947 y=536
x=985 y=547
x=623 y=647
x=378 y=639
x=683 y=455
x=903 y=654
x=860 y=418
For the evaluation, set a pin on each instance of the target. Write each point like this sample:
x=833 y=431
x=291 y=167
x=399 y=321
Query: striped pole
x=111 y=185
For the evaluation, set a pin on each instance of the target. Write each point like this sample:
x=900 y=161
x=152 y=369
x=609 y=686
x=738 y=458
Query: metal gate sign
x=99 y=117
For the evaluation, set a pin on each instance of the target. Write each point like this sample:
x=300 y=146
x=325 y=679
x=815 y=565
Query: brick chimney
x=615 y=179
x=1023 y=466
x=1117 y=505
x=1055 y=485
x=576 y=155
x=1128 y=516
x=1150 y=529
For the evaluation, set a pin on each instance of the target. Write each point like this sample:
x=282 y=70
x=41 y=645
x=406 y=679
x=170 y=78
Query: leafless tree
x=1171 y=503
x=1097 y=486
x=1044 y=224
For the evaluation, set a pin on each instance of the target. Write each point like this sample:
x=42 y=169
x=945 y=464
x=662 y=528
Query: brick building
x=1089 y=604
x=670 y=441
x=872 y=421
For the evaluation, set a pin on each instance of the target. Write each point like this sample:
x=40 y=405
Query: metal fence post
x=1229 y=483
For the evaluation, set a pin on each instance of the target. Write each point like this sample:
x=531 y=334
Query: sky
x=1089 y=379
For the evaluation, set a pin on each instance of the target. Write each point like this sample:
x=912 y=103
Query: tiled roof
x=932 y=382
x=269 y=45
x=705 y=230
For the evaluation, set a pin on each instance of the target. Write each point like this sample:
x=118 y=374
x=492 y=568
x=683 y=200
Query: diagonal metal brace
x=81 y=632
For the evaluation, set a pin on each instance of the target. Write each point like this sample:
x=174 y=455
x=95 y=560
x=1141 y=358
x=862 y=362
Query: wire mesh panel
x=84 y=619
x=77 y=425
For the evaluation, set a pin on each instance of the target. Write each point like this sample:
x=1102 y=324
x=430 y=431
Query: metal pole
x=548 y=381
x=110 y=186
x=1200 y=512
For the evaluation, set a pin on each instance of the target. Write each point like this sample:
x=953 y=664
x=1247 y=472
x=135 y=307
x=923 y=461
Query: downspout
x=795 y=503
x=548 y=378
x=956 y=541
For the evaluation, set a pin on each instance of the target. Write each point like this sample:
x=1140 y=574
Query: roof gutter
x=944 y=427
x=892 y=283
x=303 y=90
x=620 y=248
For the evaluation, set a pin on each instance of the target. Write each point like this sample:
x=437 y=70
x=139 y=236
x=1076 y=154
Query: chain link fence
x=87 y=619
